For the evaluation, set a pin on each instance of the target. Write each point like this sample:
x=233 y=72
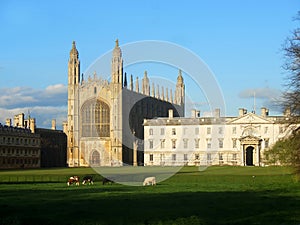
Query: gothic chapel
x=105 y=117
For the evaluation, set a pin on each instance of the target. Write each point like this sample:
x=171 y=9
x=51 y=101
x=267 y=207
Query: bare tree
x=291 y=96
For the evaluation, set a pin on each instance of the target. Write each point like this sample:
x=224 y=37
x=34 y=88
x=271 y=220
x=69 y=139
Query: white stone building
x=214 y=140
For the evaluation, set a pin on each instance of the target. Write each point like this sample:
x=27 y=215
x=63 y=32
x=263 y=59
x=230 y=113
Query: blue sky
x=240 y=41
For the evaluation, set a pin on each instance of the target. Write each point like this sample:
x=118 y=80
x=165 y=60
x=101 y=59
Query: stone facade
x=203 y=141
x=20 y=146
x=105 y=117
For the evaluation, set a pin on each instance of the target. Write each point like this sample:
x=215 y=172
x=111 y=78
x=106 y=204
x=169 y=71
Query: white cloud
x=43 y=104
x=269 y=97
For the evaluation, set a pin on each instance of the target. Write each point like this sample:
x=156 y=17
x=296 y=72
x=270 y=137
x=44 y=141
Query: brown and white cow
x=73 y=180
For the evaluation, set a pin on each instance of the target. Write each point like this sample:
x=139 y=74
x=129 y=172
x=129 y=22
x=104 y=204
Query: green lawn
x=218 y=195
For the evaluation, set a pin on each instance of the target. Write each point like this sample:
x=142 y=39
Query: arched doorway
x=95 y=158
x=249 y=156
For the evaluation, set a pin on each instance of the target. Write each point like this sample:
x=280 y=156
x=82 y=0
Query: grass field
x=218 y=195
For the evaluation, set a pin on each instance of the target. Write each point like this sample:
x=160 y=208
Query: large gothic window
x=95 y=121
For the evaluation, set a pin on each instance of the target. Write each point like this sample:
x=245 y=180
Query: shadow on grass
x=120 y=205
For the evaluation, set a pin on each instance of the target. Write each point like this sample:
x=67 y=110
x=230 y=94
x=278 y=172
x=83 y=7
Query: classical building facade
x=23 y=145
x=105 y=118
x=215 y=140
x=20 y=146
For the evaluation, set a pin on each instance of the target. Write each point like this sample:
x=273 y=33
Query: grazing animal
x=149 y=181
x=88 y=179
x=73 y=180
x=107 y=180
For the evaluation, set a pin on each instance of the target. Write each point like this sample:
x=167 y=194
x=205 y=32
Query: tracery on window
x=95 y=119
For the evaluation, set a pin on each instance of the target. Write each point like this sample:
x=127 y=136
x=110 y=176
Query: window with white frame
x=208 y=156
x=197 y=130
x=234 y=142
x=234 y=130
x=220 y=156
x=151 y=157
x=150 y=131
x=208 y=142
x=197 y=140
x=266 y=142
x=208 y=130
x=162 y=143
x=234 y=156
x=173 y=143
x=220 y=130
x=266 y=130
x=151 y=144
x=185 y=157
x=221 y=143
x=185 y=143
x=173 y=131
x=162 y=131
x=174 y=157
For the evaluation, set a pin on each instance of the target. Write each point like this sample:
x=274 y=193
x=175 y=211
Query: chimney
x=8 y=122
x=170 y=113
x=242 y=111
x=217 y=113
x=287 y=112
x=32 y=125
x=193 y=113
x=53 y=124
x=264 y=111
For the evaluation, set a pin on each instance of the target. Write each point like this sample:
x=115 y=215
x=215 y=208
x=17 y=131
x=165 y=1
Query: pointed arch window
x=95 y=119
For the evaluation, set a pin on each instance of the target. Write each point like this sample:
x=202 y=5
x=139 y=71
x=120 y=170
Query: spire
x=125 y=81
x=145 y=85
x=162 y=93
x=179 y=92
x=171 y=96
x=74 y=66
x=131 y=83
x=157 y=92
x=137 y=85
x=117 y=65
x=153 y=90
x=167 y=94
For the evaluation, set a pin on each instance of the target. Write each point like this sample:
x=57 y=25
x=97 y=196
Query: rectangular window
x=185 y=157
x=151 y=157
x=234 y=130
x=234 y=156
x=162 y=131
x=208 y=156
x=220 y=130
x=197 y=140
x=173 y=143
x=208 y=130
x=151 y=144
x=162 y=143
x=208 y=143
x=234 y=143
x=220 y=143
x=174 y=157
x=197 y=130
x=266 y=143
x=220 y=156
x=185 y=143
x=266 y=130
x=197 y=157
x=185 y=131
x=173 y=131
x=151 y=131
